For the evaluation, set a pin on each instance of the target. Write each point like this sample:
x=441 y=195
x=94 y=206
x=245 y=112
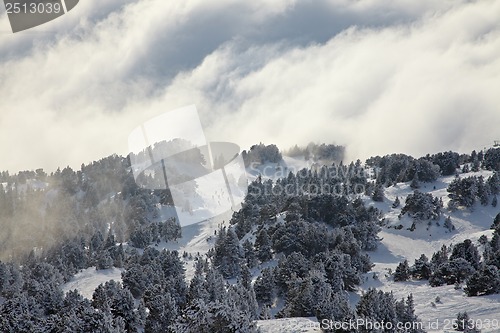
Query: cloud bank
x=378 y=76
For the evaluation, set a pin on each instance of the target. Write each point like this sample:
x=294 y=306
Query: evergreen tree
x=196 y=286
x=493 y=183
x=263 y=246
x=402 y=272
x=104 y=260
x=483 y=191
x=496 y=223
x=483 y=282
x=264 y=287
x=422 y=268
x=415 y=184
x=230 y=261
x=378 y=193
x=463 y=192
x=249 y=253
x=245 y=277
x=468 y=251
x=377 y=306
x=451 y=272
x=462 y=321
x=162 y=313
x=465 y=324
x=440 y=257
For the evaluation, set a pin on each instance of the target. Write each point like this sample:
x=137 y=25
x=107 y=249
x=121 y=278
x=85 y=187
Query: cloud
x=378 y=76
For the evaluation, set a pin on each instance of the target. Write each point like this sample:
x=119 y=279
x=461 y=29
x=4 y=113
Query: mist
x=376 y=76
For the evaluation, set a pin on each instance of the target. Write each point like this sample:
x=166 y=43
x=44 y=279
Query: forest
x=297 y=247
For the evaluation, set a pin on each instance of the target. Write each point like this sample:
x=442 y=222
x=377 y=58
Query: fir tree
x=422 y=268
x=415 y=184
x=483 y=282
x=263 y=246
x=378 y=193
x=162 y=313
x=249 y=253
x=468 y=251
x=402 y=272
x=230 y=263
x=264 y=287
x=496 y=223
x=104 y=260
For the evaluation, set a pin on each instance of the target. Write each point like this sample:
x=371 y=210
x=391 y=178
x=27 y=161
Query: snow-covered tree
x=485 y=281
x=402 y=272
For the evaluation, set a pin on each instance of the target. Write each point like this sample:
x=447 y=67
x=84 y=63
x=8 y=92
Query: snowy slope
x=89 y=279
x=397 y=245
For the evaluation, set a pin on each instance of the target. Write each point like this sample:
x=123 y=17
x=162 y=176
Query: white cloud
x=378 y=76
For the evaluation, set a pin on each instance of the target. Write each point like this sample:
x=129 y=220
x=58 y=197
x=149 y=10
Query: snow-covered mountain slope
x=89 y=279
x=398 y=245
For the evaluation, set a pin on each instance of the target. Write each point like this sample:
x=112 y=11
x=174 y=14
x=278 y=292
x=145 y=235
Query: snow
x=289 y=325
x=89 y=279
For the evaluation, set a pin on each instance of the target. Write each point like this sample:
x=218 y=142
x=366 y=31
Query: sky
x=378 y=76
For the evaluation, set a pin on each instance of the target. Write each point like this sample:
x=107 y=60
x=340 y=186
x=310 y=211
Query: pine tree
x=496 y=223
x=219 y=247
x=462 y=321
x=468 y=251
x=162 y=313
x=375 y=305
x=483 y=282
x=440 y=257
x=475 y=166
x=104 y=260
x=402 y=272
x=415 y=184
x=110 y=240
x=249 y=253
x=483 y=191
x=378 y=193
x=215 y=285
x=196 y=286
x=422 y=268
x=263 y=246
x=245 y=277
x=230 y=263
x=264 y=287
x=493 y=183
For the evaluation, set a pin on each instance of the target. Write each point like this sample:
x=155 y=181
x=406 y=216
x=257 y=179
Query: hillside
x=305 y=246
